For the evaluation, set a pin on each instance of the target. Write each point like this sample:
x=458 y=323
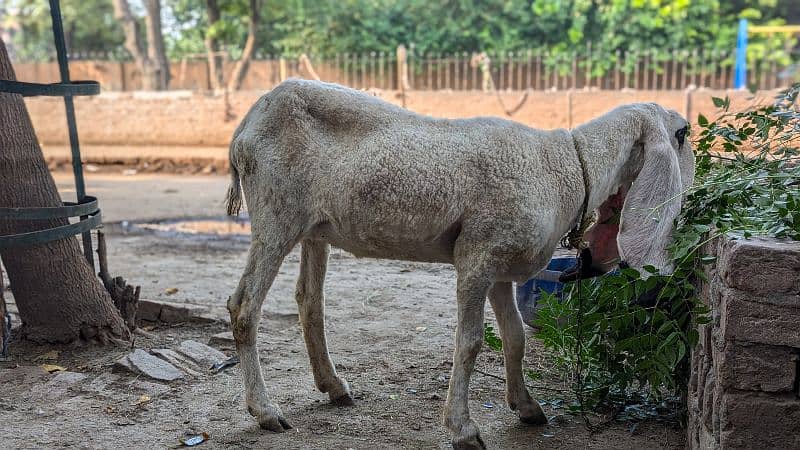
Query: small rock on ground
x=201 y=353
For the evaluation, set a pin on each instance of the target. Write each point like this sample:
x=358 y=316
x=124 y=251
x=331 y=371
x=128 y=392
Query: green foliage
x=88 y=26
x=190 y=27
x=323 y=28
x=491 y=338
x=747 y=183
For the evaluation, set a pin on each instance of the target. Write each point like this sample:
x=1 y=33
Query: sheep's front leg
x=244 y=306
x=501 y=296
x=469 y=339
x=311 y=305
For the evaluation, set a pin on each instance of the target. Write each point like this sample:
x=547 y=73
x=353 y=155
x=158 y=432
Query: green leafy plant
x=747 y=183
x=491 y=338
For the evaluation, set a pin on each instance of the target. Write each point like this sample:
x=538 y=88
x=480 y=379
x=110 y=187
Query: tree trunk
x=240 y=70
x=212 y=46
x=57 y=294
x=135 y=45
x=155 y=44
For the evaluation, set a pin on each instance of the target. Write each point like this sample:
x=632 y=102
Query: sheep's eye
x=680 y=135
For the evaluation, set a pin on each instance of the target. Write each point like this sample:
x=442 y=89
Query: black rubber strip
x=72 y=89
x=52 y=234
x=84 y=208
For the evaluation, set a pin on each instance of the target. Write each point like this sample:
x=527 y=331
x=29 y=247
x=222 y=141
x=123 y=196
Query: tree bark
x=155 y=44
x=57 y=294
x=135 y=44
x=212 y=46
x=240 y=69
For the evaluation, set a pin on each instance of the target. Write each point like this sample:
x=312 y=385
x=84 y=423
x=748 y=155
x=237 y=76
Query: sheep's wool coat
x=381 y=181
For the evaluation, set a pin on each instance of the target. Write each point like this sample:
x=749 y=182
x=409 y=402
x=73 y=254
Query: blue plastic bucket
x=547 y=280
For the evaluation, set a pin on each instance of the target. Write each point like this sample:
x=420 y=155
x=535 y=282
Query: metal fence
x=532 y=69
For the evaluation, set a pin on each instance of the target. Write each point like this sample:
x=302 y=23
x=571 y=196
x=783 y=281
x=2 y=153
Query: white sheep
x=321 y=165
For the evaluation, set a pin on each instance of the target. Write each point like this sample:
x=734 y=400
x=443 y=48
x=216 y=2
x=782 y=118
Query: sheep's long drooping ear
x=651 y=206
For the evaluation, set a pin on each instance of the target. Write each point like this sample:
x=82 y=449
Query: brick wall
x=743 y=390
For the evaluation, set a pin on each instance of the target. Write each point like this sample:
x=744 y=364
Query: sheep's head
x=635 y=224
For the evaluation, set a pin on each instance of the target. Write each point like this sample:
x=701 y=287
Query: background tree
x=249 y=49
x=150 y=55
x=212 y=44
x=89 y=26
x=58 y=296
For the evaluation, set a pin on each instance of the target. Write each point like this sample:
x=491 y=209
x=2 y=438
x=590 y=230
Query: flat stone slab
x=139 y=361
x=201 y=353
x=178 y=360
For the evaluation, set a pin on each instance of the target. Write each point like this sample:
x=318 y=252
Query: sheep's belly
x=399 y=246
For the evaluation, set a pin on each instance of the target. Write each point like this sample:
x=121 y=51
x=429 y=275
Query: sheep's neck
x=606 y=151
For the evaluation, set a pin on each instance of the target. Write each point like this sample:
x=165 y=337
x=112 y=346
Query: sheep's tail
x=233 y=201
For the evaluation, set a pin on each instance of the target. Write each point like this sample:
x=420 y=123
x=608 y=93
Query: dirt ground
x=390 y=332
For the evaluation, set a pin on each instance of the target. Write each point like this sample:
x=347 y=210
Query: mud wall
x=186 y=118
x=743 y=390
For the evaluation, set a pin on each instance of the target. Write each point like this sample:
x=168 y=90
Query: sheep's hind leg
x=311 y=305
x=265 y=258
x=501 y=296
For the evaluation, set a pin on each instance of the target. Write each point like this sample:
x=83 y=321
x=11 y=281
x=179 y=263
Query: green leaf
x=491 y=339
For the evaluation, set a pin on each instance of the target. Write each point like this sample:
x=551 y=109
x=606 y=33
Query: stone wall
x=743 y=390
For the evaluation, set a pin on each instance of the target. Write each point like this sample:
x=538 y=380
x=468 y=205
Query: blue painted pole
x=740 y=71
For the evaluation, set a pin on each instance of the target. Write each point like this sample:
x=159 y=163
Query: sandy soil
x=390 y=329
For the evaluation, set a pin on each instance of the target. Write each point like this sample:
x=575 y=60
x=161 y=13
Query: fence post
x=402 y=72
x=122 y=83
x=626 y=79
x=588 y=82
x=688 y=109
x=282 y=68
x=574 y=82
x=456 y=71
x=446 y=72
x=569 y=109
x=740 y=78
x=675 y=69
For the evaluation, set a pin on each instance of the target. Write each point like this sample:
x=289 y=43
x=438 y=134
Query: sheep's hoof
x=532 y=414
x=469 y=438
x=270 y=418
x=340 y=394
x=470 y=443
